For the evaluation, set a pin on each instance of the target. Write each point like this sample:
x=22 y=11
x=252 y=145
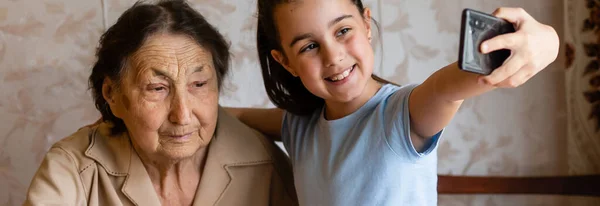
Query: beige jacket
x=91 y=168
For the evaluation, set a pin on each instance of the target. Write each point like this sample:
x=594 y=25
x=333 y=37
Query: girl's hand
x=533 y=47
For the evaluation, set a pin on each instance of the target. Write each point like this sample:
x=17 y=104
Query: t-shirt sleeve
x=397 y=120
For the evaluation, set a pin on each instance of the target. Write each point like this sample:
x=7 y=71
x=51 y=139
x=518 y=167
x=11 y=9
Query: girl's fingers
x=509 y=68
x=509 y=41
x=516 y=16
x=519 y=78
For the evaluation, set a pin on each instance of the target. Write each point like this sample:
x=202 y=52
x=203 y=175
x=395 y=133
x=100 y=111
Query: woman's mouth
x=341 y=76
x=180 y=136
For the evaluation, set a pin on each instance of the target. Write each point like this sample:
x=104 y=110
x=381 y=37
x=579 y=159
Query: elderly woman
x=164 y=139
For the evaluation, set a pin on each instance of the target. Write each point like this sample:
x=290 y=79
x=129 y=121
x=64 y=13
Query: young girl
x=355 y=139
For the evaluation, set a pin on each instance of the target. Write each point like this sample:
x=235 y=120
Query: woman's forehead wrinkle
x=167 y=57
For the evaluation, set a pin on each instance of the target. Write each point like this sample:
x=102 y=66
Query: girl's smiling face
x=327 y=44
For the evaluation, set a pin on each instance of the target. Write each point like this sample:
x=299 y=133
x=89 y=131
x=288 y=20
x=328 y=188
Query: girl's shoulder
x=395 y=89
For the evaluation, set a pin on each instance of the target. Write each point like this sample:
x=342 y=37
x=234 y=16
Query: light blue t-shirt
x=365 y=158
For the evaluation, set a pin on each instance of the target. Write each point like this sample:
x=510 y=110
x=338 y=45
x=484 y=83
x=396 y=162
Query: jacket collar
x=234 y=144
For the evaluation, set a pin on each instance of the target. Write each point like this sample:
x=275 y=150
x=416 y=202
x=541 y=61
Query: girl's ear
x=279 y=57
x=367 y=18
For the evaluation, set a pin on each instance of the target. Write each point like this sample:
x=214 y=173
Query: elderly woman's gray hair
x=133 y=27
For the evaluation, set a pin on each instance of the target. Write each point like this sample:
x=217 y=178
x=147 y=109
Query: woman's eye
x=155 y=92
x=156 y=88
x=199 y=84
x=309 y=47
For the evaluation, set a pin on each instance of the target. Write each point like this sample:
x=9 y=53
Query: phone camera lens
x=479 y=24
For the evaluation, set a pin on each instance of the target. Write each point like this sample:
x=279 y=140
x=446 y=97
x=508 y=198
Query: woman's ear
x=367 y=19
x=109 y=92
x=279 y=57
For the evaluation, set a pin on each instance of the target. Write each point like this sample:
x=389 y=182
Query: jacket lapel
x=234 y=145
x=213 y=182
x=137 y=186
x=118 y=158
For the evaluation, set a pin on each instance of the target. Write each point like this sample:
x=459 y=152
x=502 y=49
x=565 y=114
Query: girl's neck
x=336 y=110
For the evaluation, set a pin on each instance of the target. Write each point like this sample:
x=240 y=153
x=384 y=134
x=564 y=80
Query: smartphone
x=476 y=27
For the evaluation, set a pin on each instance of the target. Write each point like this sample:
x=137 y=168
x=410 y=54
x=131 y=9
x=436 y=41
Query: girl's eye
x=308 y=47
x=343 y=31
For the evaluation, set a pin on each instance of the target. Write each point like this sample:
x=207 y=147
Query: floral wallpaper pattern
x=592 y=49
x=582 y=38
x=47 y=47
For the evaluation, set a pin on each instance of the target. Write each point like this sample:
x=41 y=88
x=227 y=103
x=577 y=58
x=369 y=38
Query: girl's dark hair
x=285 y=91
x=130 y=31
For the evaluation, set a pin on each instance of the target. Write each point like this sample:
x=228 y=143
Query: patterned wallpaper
x=583 y=85
x=46 y=50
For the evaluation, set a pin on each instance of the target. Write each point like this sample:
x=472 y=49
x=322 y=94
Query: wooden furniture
x=588 y=185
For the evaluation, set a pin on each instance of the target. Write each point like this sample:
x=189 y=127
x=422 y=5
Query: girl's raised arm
x=266 y=121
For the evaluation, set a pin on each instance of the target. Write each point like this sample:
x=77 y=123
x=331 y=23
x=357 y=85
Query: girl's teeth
x=338 y=77
x=341 y=76
x=346 y=73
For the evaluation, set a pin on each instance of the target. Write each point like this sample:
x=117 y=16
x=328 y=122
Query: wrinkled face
x=168 y=97
x=327 y=44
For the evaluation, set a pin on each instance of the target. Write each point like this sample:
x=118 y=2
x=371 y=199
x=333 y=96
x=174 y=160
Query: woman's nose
x=180 y=113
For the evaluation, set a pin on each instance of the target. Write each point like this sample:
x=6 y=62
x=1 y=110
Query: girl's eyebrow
x=336 y=20
x=298 y=38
